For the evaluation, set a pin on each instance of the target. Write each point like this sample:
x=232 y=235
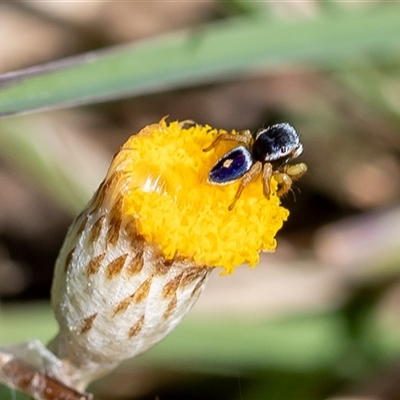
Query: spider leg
x=287 y=175
x=247 y=178
x=266 y=179
x=284 y=183
x=244 y=137
x=296 y=171
x=241 y=137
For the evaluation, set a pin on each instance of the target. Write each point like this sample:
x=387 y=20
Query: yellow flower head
x=165 y=190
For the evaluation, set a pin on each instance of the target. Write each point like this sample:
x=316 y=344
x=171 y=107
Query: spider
x=269 y=151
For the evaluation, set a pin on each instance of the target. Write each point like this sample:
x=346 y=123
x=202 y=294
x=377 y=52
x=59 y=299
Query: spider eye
x=232 y=166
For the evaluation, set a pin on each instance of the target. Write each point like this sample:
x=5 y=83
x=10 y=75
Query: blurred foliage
x=330 y=325
x=208 y=54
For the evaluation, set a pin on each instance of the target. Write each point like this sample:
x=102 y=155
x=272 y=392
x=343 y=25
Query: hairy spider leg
x=287 y=175
x=296 y=171
x=241 y=137
x=284 y=183
x=266 y=179
x=247 y=178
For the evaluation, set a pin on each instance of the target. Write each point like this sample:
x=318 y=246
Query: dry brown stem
x=16 y=374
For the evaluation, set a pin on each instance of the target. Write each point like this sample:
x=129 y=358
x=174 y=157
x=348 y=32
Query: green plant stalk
x=214 y=52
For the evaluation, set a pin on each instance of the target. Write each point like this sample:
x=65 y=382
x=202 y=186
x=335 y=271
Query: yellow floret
x=167 y=192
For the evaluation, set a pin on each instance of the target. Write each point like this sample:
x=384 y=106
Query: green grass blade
x=216 y=51
x=7 y=393
x=303 y=342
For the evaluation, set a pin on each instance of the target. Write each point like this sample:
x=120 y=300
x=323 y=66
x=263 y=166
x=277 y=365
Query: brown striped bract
x=96 y=229
x=114 y=268
x=136 y=328
x=95 y=264
x=87 y=323
x=135 y=265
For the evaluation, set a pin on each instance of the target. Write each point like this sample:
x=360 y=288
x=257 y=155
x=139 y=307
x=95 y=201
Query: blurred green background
x=319 y=319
